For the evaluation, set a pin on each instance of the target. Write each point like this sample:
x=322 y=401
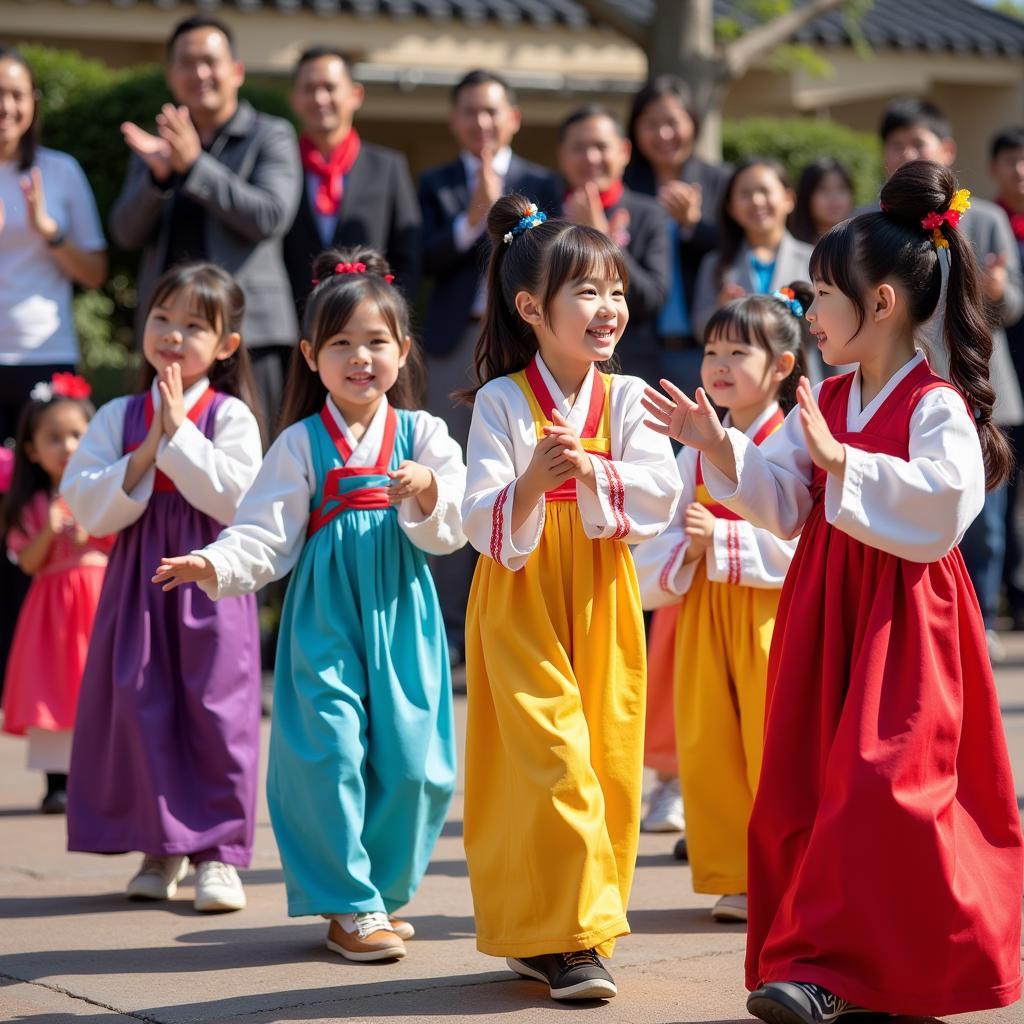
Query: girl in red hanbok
x=885 y=854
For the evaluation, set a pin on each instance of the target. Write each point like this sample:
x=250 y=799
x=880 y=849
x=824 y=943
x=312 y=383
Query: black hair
x=801 y=220
x=639 y=174
x=1008 y=138
x=892 y=245
x=911 y=112
x=316 y=53
x=585 y=113
x=481 y=77
x=220 y=301
x=29 y=142
x=197 y=21
x=29 y=478
x=329 y=307
x=730 y=234
x=540 y=260
x=773 y=325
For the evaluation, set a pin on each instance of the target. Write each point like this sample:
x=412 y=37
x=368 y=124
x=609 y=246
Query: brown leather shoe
x=403 y=929
x=368 y=941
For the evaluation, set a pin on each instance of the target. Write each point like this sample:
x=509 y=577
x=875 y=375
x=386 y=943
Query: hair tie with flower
x=61 y=385
x=959 y=205
x=532 y=218
x=353 y=268
x=788 y=298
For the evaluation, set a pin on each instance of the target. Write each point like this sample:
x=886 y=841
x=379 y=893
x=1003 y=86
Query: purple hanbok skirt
x=166 y=742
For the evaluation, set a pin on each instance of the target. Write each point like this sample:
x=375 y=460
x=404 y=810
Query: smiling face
x=324 y=97
x=759 y=202
x=17 y=106
x=593 y=150
x=831 y=202
x=737 y=375
x=665 y=133
x=203 y=75
x=584 y=320
x=1008 y=172
x=915 y=142
x=56 y=437
x=359 y=364
x=177 y=331
x=482 y=117
x=835 y=325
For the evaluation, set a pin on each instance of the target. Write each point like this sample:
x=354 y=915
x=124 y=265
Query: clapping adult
x=214 y=179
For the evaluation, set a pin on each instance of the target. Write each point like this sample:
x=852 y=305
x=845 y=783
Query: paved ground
x=72 y=949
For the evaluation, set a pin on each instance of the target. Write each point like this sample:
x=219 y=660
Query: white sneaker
x=731 y=908
x=218 y=887
x=665 y=810
x=158 y=878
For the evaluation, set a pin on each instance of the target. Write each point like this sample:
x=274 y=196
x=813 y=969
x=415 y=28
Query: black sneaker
x=576 y=975
x=799 y=1002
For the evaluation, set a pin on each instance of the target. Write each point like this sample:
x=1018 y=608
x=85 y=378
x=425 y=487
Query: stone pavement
x=73 y=950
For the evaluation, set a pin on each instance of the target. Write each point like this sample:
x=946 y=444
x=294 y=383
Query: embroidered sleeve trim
x=732 y=546
x=617 y=499
x=498 y=523
x=667 y=568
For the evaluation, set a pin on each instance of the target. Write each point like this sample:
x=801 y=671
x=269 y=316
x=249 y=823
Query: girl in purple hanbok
x=167 y=735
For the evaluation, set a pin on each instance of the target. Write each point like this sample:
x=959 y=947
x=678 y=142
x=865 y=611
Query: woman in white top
x=50 y=240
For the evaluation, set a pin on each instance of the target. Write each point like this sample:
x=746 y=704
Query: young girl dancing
x=66 y=566
x=359 y=488
x=563 y=473
x=728 y=574
x=885 y=848
x=167 y=740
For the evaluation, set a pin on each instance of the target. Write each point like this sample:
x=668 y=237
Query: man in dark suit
x=592 y=156
x=353 y=192
x=455 y=200
x=217 y=181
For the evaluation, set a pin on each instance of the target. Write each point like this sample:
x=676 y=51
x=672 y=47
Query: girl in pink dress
x=66 y=566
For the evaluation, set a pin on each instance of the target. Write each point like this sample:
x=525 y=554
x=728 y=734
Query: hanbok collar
x=755 y=427
x=856 y=417
x=367 y=448
x=577 y=415
x=191 y=396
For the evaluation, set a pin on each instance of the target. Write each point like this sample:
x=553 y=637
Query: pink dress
x=44 y=669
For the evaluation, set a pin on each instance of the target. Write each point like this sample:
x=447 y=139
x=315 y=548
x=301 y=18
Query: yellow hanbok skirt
x=556 y=675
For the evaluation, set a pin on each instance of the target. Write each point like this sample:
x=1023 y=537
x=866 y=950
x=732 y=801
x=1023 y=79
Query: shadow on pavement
x=679 y=921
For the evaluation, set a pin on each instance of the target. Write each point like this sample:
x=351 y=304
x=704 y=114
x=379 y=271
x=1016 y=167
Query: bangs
x=832 y=259
x=581 y=252
x=205 y=297
x=337 y=307
x=746 y=319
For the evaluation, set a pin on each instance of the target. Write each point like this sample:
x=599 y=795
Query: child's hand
x=172 y=572
x=572 y=449
x=698 y=524
x=729 y=291
x=825 y=451
x=59 y=517
x=548 y=467
x=172 y=399
x=408 y=481
x=694 y=424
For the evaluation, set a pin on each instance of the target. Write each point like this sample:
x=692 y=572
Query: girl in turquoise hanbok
x=355 y=493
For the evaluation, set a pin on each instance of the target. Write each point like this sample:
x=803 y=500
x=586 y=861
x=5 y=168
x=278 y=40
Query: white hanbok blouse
x=212 y=476
x=269 y=531
x=637 y=490
x=739 y=553
x=917 y=509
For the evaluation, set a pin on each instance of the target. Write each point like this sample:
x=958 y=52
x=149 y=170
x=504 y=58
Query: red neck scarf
x=330 y=170
x=609 y=197
x=1016 y=220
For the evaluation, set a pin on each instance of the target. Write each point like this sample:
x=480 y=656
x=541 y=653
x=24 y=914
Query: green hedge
x=796 y=141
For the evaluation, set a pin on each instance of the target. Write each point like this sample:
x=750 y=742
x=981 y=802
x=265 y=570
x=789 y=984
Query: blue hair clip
x=792 y=303
x=531 y=220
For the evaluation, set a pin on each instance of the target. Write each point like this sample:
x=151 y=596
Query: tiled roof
x=955 y=26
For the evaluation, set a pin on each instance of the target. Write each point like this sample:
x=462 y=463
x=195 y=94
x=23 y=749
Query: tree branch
x=739 y=55
x=606 y=13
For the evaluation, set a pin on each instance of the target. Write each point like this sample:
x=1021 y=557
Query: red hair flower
x=350 y=268
x=70 y=385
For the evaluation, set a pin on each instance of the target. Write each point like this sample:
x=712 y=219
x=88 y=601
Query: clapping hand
x=825 y=451
x=582 y=468
x=693 y=423
x=172 y=398
x=682 y=201
x=35 y=201
x=154 y=151
x=175 y=127
x=173 y=572
x=488 y=188
x=583 y=206
x=993 y=276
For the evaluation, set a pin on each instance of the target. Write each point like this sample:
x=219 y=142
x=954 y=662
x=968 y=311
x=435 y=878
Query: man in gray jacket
x=913 y=129
x=216 y=181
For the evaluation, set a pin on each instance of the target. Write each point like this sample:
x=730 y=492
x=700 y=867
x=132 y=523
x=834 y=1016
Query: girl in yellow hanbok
x=563 y=474
x=724 y=578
